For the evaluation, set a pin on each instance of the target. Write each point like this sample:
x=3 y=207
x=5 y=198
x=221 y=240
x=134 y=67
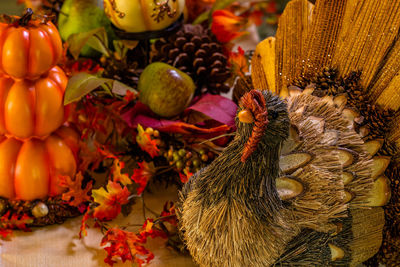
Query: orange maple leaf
x=109 y=200
x=75 y=194
x=146 y=143
x=124 y=245
x=227 y=26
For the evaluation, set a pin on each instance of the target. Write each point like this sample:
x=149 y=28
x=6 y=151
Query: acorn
x=40 y=210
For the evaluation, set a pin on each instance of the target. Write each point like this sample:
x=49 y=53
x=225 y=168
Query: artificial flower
x=143 y=174
x=109 y=200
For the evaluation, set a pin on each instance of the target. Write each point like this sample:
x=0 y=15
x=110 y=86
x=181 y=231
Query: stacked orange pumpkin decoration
x=35 y=149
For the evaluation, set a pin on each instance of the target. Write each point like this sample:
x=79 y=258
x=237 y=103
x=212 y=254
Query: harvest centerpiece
x=134 y=104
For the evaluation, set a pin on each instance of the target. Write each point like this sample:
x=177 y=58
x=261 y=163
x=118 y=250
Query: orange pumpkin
x=28 y=48
x=30 y=169
x=32 y=108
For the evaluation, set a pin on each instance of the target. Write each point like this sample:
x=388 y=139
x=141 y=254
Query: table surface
x=60 y=246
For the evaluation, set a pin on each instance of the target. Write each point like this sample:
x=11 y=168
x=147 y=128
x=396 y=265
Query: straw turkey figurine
x=307 y=179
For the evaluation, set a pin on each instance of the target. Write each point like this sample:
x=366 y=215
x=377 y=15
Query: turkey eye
x=274 y=114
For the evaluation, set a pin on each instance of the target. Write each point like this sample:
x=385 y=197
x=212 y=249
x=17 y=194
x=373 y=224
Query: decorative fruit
x=143 y=15
x=32 y=108
x=28 y=48
x=166 y=90
x=30 y=169
x=79 y=16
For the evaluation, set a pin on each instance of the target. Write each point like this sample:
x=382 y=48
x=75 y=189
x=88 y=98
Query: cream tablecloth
x=60 y=246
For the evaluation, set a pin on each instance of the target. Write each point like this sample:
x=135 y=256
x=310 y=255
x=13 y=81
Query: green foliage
x=81 y=84
x=97 y=39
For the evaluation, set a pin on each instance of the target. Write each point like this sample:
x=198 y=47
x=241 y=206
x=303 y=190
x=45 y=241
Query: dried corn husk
x=263 y=66
x=291 y=38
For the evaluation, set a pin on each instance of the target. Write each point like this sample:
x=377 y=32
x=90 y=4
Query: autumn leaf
x=239 y=62
x=148 y=230
x=86 y=216
x=126 y=246
x=227 y=26
x=5 y=233
x=143 y=174
x=82 y=65
x=185 y=177
x=15 y=221
x=109 y=200
x=146 y=143
x=168 y=213
x=117 y=176
x=75 y=194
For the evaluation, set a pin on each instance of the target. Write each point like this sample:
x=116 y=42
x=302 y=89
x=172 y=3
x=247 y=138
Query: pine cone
x=51 y=7
x=196 y=51
x=121 y=70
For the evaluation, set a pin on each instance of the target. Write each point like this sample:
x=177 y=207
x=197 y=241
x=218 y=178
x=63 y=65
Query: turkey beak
x=246 y=116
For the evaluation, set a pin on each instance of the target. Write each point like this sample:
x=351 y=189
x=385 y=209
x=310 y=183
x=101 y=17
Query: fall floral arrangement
x=95 y=114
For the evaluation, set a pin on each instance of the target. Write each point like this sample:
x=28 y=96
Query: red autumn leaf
x=109 y=200
x=75 y=194
x=219 y=111
x=15 y=221
x=185 y=177
x=148 y=230
x=72 y=67
x=89 y=157
x=146 y=143
x=272 y=7
x=218 y=108
x=227 y=26
x=143 y=174
x=168 y=213
x=125 y=246
x=5 y=233
x=197 y=7
x=106 y=153
x=256 y=17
